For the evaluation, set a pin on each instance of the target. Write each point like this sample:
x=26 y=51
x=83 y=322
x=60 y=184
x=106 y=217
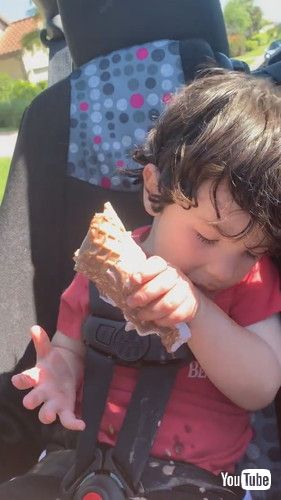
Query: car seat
x=55 y=186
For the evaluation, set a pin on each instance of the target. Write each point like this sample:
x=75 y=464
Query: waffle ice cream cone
x=109 y=256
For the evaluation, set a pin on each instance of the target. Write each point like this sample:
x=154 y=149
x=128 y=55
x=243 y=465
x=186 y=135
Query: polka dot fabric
x=264 y=452
x=115 y=100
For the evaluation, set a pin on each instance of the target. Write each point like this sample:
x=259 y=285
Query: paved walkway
x=7 y=143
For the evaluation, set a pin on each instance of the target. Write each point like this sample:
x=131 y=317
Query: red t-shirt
x=201 y=425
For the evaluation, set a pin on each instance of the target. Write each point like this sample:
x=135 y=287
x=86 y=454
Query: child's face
x=190 y=240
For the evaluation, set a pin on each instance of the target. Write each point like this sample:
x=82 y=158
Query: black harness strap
x=143 y=418
x=98 y=375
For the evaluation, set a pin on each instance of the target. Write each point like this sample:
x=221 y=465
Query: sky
x=12 y=10
x=271 y=9
x=16 y=9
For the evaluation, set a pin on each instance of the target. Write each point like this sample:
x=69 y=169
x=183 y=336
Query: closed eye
x=204 y=240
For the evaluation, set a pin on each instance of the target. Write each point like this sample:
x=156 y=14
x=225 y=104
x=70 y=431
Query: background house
x=16 y=60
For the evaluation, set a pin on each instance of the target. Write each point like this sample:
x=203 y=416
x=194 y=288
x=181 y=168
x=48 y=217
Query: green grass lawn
x=4 y=170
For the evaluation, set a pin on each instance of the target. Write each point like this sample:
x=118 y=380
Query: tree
x=243 y=17
x=274 y=32
x=237 y=17
x=255 y=15
x=31 y=40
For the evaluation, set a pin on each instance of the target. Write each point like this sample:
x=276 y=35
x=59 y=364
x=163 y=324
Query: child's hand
x=165 y=295
x=53 y=382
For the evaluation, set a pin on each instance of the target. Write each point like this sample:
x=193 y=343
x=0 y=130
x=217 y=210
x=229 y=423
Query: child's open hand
x=165 y=295
x=53 y=382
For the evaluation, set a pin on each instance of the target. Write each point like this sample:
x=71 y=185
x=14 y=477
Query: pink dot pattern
x=115 y=100
x=142 y=53
x=137 y=100
x=84 y=106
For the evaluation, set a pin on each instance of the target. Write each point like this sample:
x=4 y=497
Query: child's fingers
x=184 y=313
x=34 y=398
x=41 y=341
x=156 y=287
x=48 y=412
x=151 y=267
x=27 y=379
x=69 y=421
x=165 y=305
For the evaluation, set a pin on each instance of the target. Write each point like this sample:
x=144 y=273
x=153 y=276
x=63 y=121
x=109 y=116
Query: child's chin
x=209 y=292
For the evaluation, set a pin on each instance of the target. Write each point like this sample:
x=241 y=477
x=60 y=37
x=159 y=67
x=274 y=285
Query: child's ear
x=150 y=185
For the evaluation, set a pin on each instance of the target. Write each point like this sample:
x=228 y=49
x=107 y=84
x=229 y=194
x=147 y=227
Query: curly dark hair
x=224 y=126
